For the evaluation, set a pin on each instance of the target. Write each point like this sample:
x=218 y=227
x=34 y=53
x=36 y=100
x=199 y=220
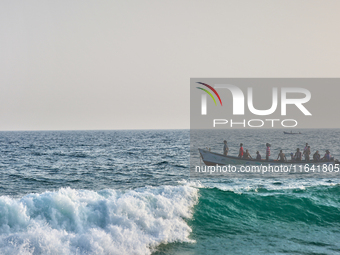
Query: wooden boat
x=213 y=159
x=291 y=133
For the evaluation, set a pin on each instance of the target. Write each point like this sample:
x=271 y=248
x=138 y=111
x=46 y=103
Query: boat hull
x=213 y=159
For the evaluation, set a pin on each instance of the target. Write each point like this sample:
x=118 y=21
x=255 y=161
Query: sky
x=88 y=65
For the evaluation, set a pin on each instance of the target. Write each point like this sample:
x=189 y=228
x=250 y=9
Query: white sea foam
x=253 y=185
x=191 y=183
x=71 y=221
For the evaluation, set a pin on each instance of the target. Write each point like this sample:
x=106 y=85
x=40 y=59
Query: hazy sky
x=127 y=64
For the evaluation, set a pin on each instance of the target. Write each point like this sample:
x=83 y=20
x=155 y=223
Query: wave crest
x=72 y=221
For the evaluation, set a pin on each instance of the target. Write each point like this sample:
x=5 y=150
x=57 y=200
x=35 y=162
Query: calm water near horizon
x=130 y=192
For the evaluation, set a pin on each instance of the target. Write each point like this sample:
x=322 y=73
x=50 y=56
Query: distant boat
x=291 y=133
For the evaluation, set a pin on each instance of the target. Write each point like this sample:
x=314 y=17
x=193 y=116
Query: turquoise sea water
x=130 y=192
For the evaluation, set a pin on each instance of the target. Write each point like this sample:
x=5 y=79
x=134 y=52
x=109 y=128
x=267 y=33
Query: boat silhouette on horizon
x=291 y=133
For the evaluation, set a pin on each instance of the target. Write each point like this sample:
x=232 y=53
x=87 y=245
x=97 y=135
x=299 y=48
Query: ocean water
x=130 y=192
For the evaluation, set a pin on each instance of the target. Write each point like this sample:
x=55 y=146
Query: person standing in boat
x=282 y=156
x=316 y=156
x=225 y=148
x=247 y=155
x=258 y=155
x=307 y=153
x=267 y=151
x=298 y=155
x=240 y=154
x=306 y=147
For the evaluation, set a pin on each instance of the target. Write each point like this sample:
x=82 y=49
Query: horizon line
x=139 y=129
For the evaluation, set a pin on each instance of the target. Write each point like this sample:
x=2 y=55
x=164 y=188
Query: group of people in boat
x=281 y=156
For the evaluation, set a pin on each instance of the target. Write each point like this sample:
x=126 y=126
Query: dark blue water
x=95 y=160
x=129 y=192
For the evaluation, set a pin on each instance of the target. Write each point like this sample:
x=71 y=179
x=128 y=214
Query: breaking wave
x=70 y=221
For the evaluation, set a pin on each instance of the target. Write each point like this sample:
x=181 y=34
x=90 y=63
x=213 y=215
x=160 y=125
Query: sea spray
x=71 y=221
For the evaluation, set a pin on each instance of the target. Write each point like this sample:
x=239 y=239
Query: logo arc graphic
x=209 y=94
x=213 y=90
